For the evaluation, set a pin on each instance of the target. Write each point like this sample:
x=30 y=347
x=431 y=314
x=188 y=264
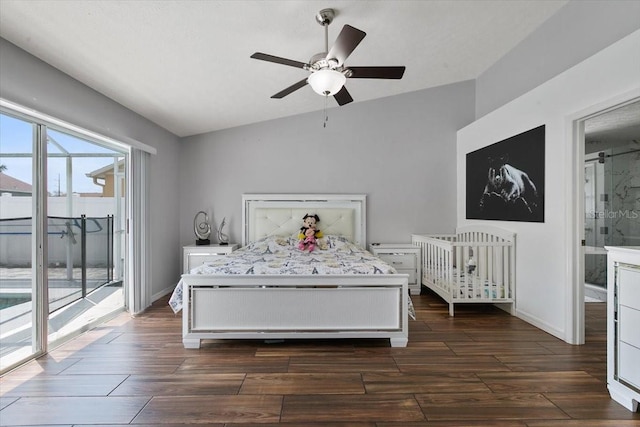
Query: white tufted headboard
x=281 y=215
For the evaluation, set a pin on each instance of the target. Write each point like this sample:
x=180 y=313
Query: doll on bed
x=309 y=234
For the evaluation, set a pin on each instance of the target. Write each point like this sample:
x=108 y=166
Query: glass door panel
x=18 y=287
x=623 y=176
x=595 y=231
x=83 y=207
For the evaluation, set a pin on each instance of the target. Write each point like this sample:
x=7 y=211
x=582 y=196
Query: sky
x=16 y=136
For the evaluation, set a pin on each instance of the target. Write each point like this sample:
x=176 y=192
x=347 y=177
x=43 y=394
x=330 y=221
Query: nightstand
x=405 y=258
x=194 y=255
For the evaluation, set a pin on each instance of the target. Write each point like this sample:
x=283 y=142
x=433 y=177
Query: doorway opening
x=610 y=193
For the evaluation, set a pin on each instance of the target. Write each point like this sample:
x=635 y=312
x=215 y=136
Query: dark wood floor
x=481 y=368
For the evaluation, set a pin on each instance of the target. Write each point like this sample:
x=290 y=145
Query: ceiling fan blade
x=348 y=39
x=343 y=97
x=290 y=89
x=376 y=72
x=278 y=60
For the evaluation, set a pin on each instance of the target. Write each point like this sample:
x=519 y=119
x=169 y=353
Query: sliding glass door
x=62 y=238
x=84 y=207
x=19 y=290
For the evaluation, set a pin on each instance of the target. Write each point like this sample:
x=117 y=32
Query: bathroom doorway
x=611 y=191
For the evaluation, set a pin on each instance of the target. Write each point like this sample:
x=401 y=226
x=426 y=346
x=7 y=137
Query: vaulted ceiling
x=186 y=65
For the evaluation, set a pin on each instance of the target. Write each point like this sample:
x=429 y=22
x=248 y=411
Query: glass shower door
x=622 y=169
x=612 y=206
x=596 y=230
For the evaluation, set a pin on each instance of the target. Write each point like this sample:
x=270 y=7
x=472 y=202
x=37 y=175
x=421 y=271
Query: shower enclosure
x=612 y=209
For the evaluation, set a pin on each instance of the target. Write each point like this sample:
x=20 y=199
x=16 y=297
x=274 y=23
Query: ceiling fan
x=328 y=71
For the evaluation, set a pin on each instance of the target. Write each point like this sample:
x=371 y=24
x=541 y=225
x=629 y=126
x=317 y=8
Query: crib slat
x=505 y=273
x=489 y=283
x=459 y=277
x=474 y=277
x=481 y=277
x=499 y=279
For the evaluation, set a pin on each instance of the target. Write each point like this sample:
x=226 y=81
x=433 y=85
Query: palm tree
x=3 y=168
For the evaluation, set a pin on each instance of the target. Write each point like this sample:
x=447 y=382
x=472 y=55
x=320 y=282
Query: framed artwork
x=505 y=180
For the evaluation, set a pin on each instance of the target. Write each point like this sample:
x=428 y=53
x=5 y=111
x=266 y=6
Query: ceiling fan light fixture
x=327 y=71
x=326 y=82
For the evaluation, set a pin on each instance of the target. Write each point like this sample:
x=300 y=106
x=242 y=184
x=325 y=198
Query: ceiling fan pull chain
x=326 y=116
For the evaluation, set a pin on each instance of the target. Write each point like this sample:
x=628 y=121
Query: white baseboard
x=540 y=324
x=162 y=293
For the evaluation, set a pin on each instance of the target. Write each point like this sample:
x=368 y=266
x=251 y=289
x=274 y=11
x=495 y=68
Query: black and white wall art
x=505 y=180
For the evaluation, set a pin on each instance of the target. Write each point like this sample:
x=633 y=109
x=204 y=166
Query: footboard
x=476 y=265
x=279 y=307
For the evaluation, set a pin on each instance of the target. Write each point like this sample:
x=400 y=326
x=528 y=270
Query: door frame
x=574 y=318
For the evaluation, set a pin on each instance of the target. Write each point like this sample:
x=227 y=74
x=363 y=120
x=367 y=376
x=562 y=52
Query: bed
x=474 y=265
x=257 y=292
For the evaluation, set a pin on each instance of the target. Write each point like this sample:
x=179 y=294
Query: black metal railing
x=80 y=258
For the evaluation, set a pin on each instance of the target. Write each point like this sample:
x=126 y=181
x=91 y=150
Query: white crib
x=475 y=265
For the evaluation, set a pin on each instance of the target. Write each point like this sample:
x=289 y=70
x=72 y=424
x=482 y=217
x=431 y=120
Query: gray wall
x=574 y=33
x=32 y=83
x=399 y=151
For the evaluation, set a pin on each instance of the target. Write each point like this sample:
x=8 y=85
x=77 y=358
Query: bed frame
x=297 y=306
x=474 y=265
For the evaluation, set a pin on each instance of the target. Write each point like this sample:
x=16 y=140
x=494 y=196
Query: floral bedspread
x=281 y=256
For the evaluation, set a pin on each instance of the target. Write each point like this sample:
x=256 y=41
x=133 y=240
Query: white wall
x=567 y=38
x=399 y=151
x=30 y=82
x=544 y=250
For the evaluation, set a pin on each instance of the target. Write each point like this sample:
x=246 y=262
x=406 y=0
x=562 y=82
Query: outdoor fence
x=80 y=257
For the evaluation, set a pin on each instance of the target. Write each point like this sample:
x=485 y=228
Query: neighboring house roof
x=13 y=185
x=100 y=173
